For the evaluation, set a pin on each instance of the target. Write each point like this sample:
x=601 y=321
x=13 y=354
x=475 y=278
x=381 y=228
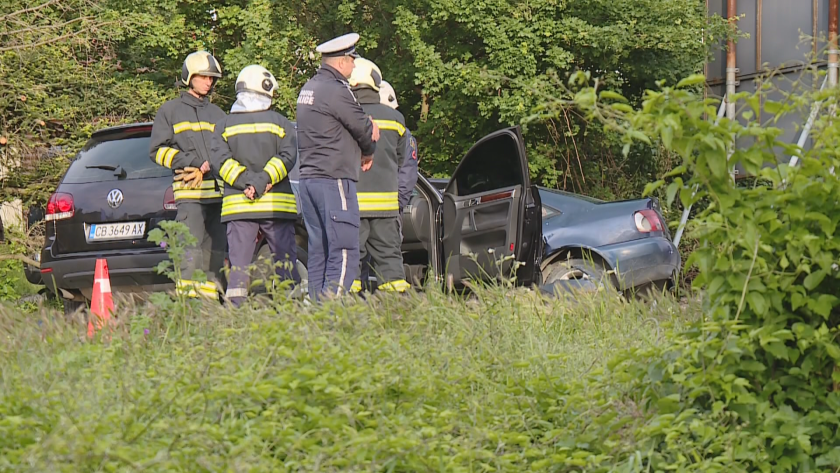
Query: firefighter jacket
x=378 y=188
x=333 y=130
x=181 y=137
x=254 y=149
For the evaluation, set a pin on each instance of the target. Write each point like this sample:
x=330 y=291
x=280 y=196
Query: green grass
x=427 y=382
x=13 y=283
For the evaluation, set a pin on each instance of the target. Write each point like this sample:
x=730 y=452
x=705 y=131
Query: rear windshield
x=123 y=151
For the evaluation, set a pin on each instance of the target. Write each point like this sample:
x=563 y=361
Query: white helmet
x=255 y=78
x=387 y=96
x=366 y=73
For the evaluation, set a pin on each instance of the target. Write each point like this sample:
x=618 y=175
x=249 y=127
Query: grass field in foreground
x=425 y=382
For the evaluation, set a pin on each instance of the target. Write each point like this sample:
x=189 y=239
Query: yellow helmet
x=200 y=63
x=366 y=73
x=256 y=78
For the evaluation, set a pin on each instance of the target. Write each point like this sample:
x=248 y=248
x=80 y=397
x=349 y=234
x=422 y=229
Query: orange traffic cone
x=102 y=303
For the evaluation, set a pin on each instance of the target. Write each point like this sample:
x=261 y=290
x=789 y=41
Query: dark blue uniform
x=333 y=134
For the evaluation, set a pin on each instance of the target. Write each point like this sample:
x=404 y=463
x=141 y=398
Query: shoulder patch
x=413 y=144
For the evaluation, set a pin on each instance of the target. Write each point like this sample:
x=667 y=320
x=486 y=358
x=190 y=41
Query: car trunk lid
x=117 y=196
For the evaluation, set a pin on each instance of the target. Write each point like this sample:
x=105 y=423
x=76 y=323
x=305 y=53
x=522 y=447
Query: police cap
x=342 y=46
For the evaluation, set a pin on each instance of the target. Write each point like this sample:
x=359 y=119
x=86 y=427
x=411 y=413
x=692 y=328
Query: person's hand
x=205 y=167
x=367 y=162
x=375 y=136
x=267 y=188
x=250 y=192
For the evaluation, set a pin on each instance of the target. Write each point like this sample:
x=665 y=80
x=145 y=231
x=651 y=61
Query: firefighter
x=181 y=140
x=407 y=174
x=408 y=167
x=254 y=149
x=335 y=139
x=378 y=189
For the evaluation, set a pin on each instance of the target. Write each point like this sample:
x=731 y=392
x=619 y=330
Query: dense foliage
x=461 y=69
x=754 y=385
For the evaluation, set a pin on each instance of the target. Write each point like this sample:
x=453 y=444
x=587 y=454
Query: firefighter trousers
x=208 y=255
x=381 y=239
x=241 y=238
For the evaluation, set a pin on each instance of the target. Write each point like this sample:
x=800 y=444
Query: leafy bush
x=754 y=385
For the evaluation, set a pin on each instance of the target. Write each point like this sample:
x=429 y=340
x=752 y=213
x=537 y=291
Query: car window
x=493 y=165
x=124 y=152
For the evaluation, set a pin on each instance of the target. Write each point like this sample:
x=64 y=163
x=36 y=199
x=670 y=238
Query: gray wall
x=781 y=48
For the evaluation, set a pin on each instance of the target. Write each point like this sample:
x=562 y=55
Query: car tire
x=73 y=306
x=33 y=274
x=578 y=273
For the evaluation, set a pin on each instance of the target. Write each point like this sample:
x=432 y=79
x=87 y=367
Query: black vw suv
x=104 y=207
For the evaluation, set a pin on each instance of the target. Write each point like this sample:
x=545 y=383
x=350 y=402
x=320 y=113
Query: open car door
x=492 y=216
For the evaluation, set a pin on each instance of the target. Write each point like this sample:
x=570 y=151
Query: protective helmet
x=387 y=96
x=365 y=74
x=255 y=78
x=200 y=63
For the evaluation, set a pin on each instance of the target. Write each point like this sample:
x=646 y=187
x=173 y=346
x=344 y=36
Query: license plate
x=117 y=231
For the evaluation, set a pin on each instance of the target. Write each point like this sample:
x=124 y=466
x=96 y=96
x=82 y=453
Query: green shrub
x=752 y=386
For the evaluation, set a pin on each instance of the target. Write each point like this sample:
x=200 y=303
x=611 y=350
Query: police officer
x=181 y=140
x=335 y=139
x=254 y=149
x=379 y=207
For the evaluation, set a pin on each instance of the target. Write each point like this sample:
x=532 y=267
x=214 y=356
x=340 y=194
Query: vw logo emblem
x=115 y=198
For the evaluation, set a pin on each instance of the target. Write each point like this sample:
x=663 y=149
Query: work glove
x=191 y=176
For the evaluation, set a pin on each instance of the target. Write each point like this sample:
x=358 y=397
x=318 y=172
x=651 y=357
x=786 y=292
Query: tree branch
x=30 y=9
x=53 y=40
x=47 y=27
x=25 y=259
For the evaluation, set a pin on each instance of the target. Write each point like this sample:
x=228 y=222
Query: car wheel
x=73 y=306
x=578 y=274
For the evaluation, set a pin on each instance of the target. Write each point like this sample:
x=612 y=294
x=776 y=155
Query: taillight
x=169 y=199
x=60 y=206
x=648 y=221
